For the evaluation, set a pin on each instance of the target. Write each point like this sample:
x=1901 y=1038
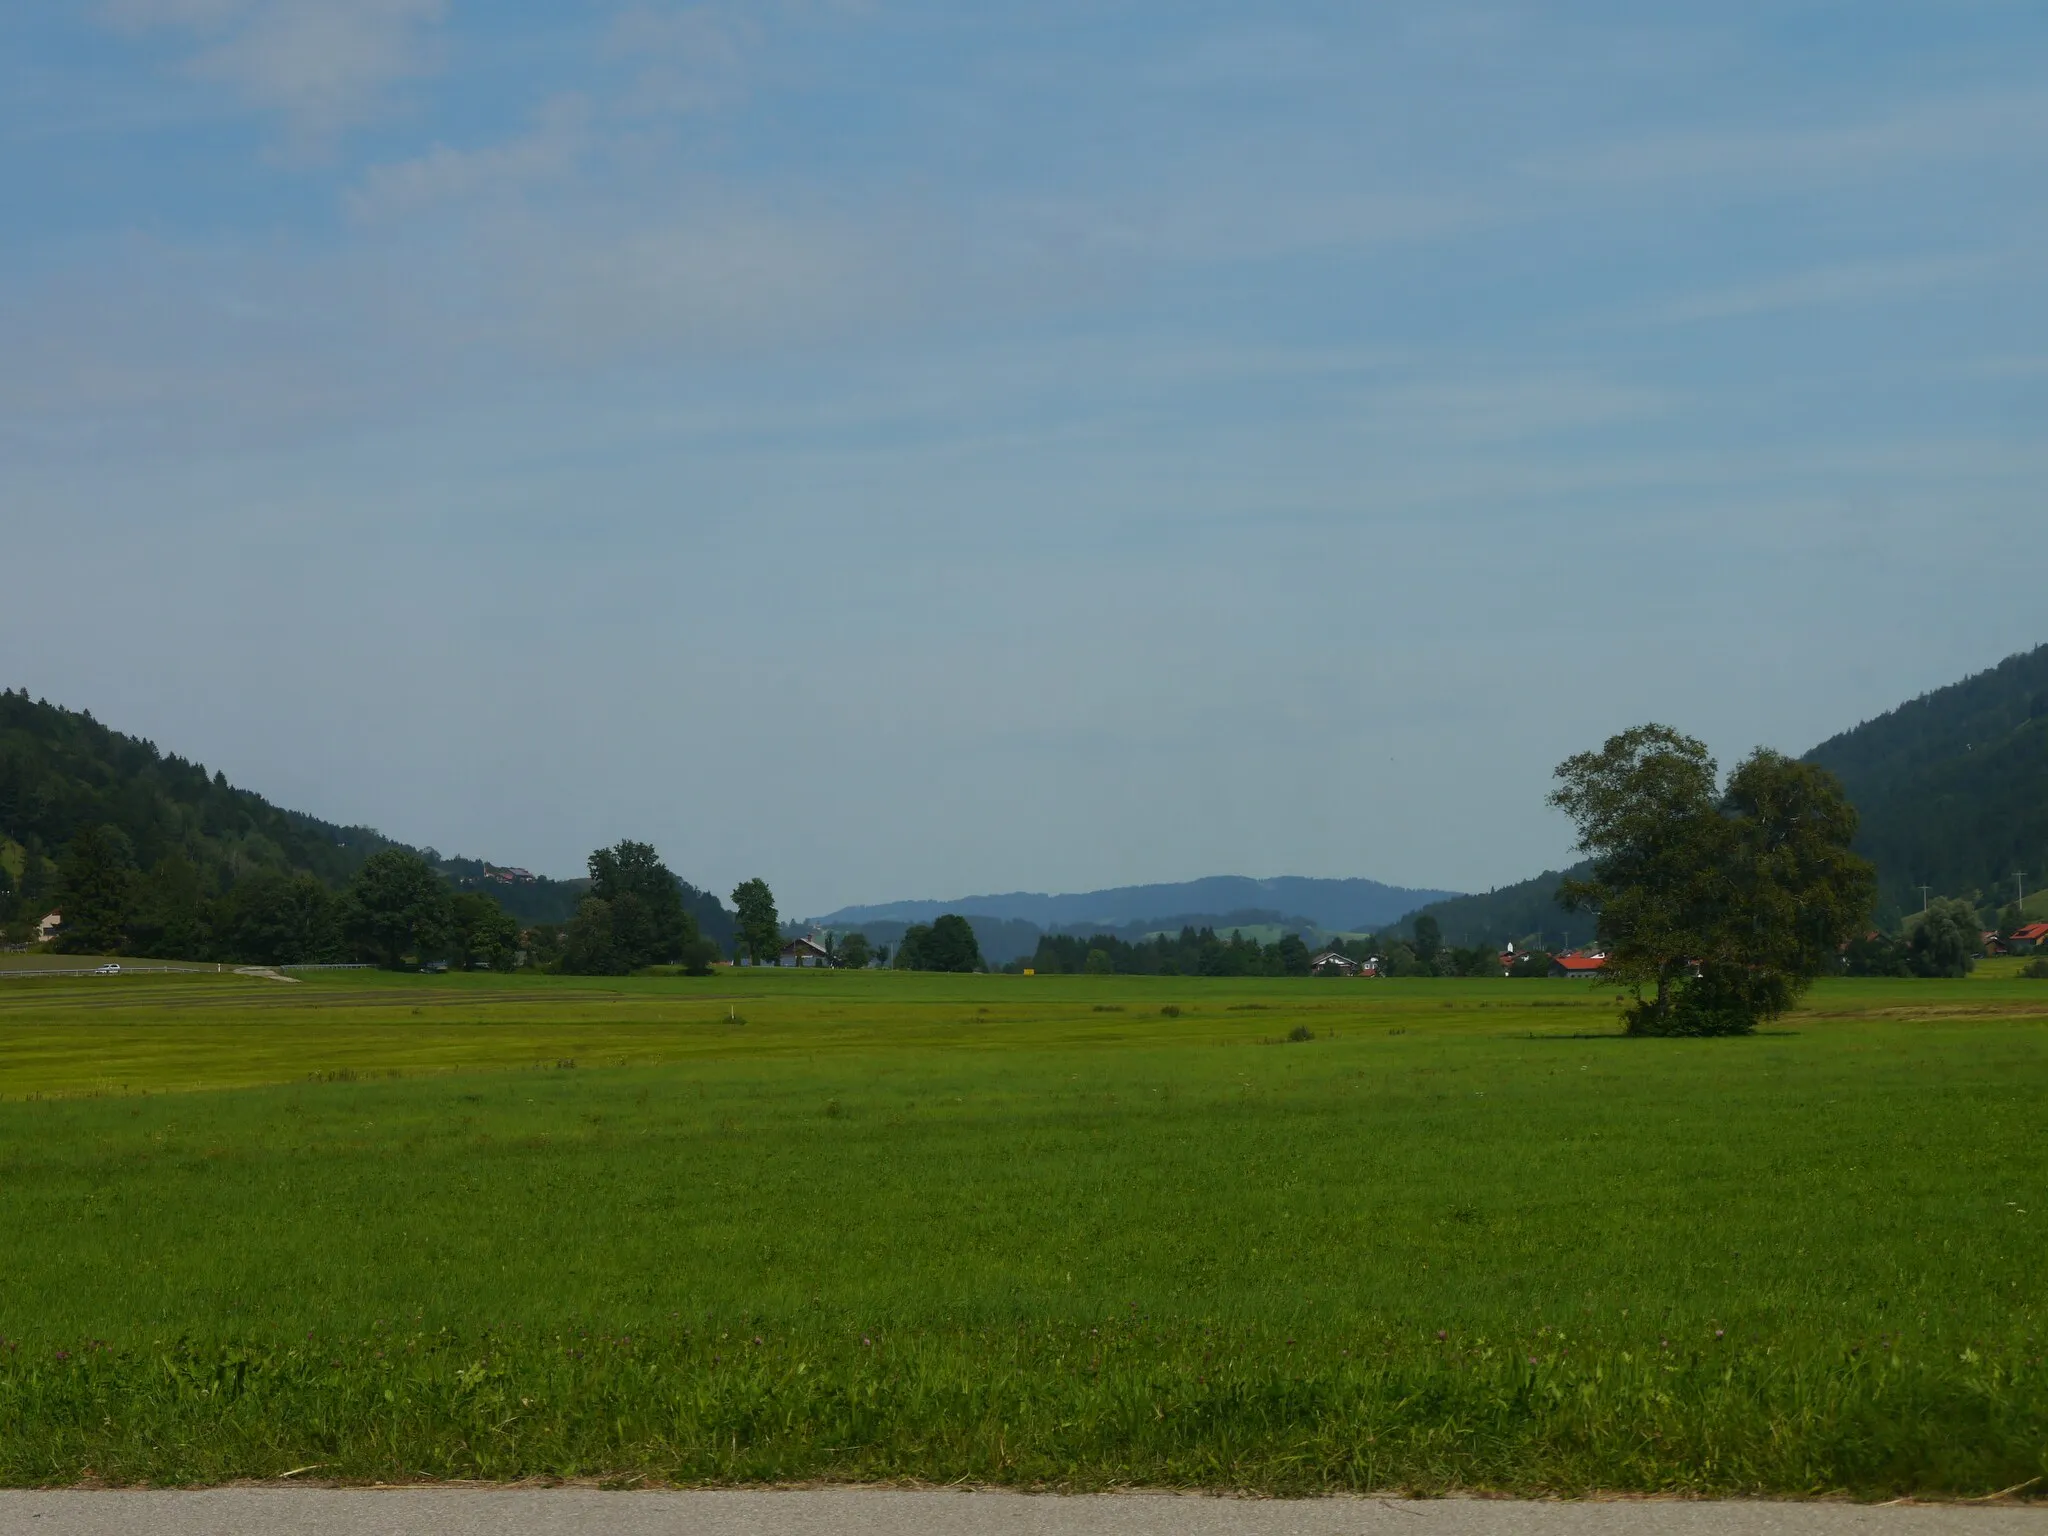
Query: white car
x=109 y=969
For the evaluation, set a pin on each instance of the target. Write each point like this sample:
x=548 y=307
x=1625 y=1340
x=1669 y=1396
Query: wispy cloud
x=1797 y=154
x=684 y=58
x=1849 y=283
x=322 y=66
x=444 y=175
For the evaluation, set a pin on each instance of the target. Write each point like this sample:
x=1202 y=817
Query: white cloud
x=321 y=65
x=687 y=59
x=719 y=275
x=444 y=175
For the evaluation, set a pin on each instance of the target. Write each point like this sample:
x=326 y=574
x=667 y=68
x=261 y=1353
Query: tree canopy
x=634 y=916
x=1946 y=939
x=946 y=943
x=1191 y=952
x=760 y=929
x=96 y=890
x=397 y=908
x=1716 y=907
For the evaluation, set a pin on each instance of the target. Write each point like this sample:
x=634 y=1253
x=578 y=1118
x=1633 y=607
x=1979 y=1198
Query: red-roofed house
x=2023 y=940
x=1578 y=965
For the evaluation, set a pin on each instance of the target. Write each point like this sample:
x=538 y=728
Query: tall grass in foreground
x=1115 y=1405
x=975 y=1229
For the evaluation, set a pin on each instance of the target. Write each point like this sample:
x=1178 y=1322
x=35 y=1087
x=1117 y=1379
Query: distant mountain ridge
x=1342 y=906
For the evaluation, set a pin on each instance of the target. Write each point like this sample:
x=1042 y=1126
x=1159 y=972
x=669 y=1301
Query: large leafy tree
x=910 y=948
x=397 y=906
x=853 y=952
x=950 y=945
x=1644 y=805
x=760 y=929
x=1945 y=941
x=483 y=933
x=649 y=925
x=590 y=945
x=278 y=919
x=1716 y=908
x=1795 y=894
x=96 y=887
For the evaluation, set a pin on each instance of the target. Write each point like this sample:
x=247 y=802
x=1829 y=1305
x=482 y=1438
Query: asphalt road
x=445 y=1511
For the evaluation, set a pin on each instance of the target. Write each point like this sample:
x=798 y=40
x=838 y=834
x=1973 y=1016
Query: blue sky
x=907 y=450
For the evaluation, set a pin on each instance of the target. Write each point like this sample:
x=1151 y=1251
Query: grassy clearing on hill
x=1027 y=1230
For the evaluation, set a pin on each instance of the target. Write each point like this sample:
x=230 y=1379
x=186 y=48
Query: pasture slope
x=1047 y=1231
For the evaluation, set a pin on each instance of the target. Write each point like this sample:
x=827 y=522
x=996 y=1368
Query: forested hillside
x=61 y=772
x=188 y=866
x=1952 y=788
x=1524 y=911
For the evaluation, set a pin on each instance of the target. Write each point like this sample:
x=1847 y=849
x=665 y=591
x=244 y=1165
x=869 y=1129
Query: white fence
x=27 y=972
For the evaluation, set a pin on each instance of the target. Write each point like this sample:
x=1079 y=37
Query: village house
x=2026 y=940
x=46 y=930
x=1577 y=965
x=801 y=952
x=1330 y=963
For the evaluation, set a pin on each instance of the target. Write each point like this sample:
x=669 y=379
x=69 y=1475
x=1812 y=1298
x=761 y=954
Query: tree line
x=1191 y=952
x=396 y=911
x=1205 y=952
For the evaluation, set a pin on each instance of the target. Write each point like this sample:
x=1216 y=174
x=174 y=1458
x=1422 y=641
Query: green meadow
x=1043 y=1231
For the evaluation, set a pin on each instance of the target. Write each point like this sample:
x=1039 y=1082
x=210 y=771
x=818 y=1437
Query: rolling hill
x=1953 y=787
x=1526 y=911
x=1343 y=906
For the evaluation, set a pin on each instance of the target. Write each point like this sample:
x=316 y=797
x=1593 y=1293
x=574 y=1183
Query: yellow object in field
x=1029 y=972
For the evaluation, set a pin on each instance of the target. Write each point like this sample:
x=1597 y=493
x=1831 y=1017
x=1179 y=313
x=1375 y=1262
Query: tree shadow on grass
x=1617 y=1034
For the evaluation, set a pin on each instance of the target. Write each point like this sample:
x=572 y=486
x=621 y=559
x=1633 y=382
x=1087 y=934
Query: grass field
x=1028 y=1230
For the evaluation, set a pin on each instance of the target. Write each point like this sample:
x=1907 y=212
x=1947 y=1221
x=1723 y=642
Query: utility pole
x=2019 y=878
x=1923 y=899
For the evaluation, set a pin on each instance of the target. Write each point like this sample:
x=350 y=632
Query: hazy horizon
x=898 y=452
